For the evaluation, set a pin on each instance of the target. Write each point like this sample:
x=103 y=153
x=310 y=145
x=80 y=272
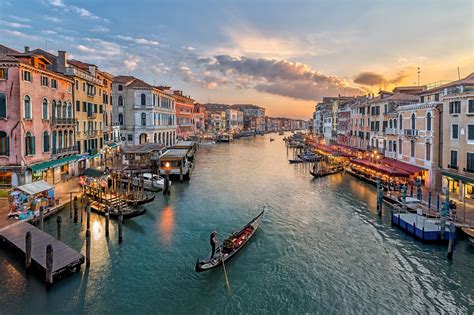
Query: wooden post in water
x=88 y=247
x=107 y=218
x=28 y=250
x=83 y=206
x=49 y=265
x=88 y=215
x=59 y=219
x=41 y=218
x=181 y=171
x=120 y=222
x=70 y=205
x=75 y=209
x=452 y=240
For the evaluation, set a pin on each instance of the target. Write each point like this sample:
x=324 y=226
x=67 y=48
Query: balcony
x=410 y=132
x=468 y=170
x=67 y=150
x=91 y=133
x=391 y=131
x=63 y=121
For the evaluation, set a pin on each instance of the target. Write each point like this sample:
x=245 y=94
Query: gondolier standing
x=213 y=240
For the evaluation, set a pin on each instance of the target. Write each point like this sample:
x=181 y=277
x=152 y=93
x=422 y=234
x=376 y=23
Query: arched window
x=390 y=123
x=400 y=121
x=120 y=100
x=3 y=106
x=64 y=110
x=4 y=143
x=143 y=119
x=170 y=121
x=428 y=121
x=54 y=145
x=428 y=152
x=412 y=148
x=413 y=121
x=143 y=99
x=27 y=107
x=400 y=144
x=45 y=108
x=60 y=140
x=155 y=137
x=69 y=110
x=53 y=109
x=390 y=145
x=120 y=118
x=29 y=144
x=46 y=144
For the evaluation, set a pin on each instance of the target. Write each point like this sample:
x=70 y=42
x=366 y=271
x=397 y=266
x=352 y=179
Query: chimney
x=61 y=62
x=27 y=49
x=92 y=70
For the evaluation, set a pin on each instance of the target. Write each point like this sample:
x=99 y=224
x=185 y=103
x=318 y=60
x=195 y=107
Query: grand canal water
x=321 y=249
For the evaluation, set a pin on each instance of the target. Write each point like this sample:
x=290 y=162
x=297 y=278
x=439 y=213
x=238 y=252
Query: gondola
x=238 y=239
x=271 y=139
x=296 y=161
x=325 y=172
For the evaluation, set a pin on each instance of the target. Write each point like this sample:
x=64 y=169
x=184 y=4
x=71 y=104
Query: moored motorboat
x=326 y=172
x=235 y=243
x=294 y=161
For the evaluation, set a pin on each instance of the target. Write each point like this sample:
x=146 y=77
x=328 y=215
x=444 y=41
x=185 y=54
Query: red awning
x=390 y=171
x=412 y=169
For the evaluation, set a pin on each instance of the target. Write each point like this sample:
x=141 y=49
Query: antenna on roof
x=459 y=74
x=418 y=71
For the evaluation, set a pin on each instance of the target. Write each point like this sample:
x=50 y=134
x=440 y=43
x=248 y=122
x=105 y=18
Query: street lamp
x=166 y=189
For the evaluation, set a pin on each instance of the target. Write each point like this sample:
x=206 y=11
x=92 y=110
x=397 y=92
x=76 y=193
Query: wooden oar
x=225 y=272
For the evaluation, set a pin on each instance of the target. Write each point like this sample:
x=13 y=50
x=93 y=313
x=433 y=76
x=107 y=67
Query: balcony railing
x=410 y=132
x=91 y=133
x=391 y=131
x=55 y=121
x=67 y=150
x=454 y=167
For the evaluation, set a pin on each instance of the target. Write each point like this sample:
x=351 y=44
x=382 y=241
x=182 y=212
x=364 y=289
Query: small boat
x=294 y=161
x=151 y=182
x=281 y=133
x=142 y=201
x=470 y=234
x=207 y=143
x=271 y=139
x=326 y=172
x=238 y=241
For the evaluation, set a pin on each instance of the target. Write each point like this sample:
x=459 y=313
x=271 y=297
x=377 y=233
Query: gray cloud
x=278 y=77
x=372 y=78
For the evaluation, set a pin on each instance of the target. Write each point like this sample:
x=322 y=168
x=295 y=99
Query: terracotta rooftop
x=80 y=64
x=467 y=79
x=123 y=79
x=4 y=50
x=137 y=83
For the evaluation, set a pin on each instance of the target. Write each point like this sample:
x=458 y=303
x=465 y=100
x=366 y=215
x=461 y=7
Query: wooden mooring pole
x=88 y=247
x=28 y=250
x=70 y=205
x=120 y=222
x=41 y=218
x=107 y=218
x=75 y=209
x=49 y=265
x=88 y=218
x=452 y=240
x=59 y=219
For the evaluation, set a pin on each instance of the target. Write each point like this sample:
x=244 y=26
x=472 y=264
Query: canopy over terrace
x=385 y=170
x=408 y=168
x=328 y=150
x=35 y=187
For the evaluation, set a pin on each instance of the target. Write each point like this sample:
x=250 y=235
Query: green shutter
x=3 y=106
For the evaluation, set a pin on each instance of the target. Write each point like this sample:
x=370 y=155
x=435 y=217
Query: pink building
x=28 y=94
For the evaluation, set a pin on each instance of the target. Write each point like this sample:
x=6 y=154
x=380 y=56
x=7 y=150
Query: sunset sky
x=282 y=55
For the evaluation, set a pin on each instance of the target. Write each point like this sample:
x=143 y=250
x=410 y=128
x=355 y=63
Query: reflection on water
x=320 y=249
x=166 y=225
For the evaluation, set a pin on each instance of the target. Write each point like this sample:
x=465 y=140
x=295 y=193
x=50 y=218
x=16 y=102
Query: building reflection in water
x=166 y=225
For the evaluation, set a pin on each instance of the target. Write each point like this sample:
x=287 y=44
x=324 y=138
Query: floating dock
x=66 y=259
x=423 y=228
